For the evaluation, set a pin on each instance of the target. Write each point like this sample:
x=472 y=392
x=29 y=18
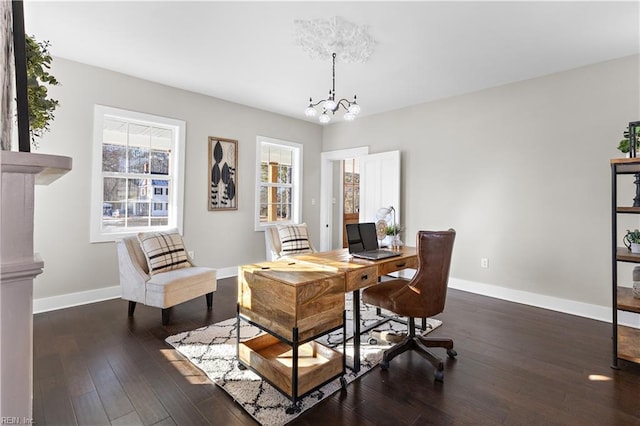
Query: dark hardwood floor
x=516 y=365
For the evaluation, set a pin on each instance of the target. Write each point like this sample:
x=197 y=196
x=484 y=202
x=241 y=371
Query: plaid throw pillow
x=164 y=252
x=294 y=239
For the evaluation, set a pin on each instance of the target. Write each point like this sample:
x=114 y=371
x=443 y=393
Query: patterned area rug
x=213 y=350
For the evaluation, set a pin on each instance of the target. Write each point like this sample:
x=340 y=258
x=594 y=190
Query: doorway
x=379 y=186
x=328 y=196
x=350 y=195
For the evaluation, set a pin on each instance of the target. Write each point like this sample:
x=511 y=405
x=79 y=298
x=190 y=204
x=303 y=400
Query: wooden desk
x=303 y=292
x=358 y=274
x=295 y=303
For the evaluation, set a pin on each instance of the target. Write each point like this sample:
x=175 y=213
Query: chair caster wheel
x=372 y=341
x=384 y=365
x=439 y=375
x=452 y=353
x=343 y=383
x=241 y=367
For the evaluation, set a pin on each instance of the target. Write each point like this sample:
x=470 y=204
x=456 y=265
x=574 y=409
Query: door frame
x=326 y=190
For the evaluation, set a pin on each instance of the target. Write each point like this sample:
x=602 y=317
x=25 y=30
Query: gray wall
x=219 y=239
x=521 y=172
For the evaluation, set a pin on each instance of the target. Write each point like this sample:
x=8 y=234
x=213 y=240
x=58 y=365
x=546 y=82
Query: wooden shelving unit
x=629 y=343
x=626 y=301
x=626 y=340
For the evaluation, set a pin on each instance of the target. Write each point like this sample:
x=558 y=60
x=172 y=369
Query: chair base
x=209 y=297
x=421 y=345
x=166 y=312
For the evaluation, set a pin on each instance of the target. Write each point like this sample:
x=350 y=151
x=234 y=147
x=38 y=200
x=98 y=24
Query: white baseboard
x=597 y=312
x=53 y=303
x=587 y=310
x=231 y=271
x=629 y=319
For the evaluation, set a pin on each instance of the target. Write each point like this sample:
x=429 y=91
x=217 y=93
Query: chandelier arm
x=317 y=103
x=344 y=103
x=340 y=103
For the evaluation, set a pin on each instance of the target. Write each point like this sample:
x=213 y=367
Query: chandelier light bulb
x=324 y=118
x=310 y=111
x=329 y=105
x=354 y=108
x=349 y=116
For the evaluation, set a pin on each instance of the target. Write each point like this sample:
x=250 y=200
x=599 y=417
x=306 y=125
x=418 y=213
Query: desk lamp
x=384 y=213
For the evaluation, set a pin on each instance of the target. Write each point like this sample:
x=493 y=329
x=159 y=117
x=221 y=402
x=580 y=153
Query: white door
x=379 y=184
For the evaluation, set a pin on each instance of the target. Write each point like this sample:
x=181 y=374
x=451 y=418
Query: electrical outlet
x=484 y=262
x=192 y=255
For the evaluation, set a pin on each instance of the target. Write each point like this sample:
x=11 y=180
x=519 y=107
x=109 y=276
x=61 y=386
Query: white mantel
x=19 y=173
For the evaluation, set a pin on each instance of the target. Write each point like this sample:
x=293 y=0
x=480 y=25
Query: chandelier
x=331 y=105
x=339 y=38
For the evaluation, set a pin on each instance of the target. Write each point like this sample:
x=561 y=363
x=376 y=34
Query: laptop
x=363 y=242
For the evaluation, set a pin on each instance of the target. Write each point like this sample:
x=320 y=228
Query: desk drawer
x=394 y=265
x=361 y=278
x=280 y=299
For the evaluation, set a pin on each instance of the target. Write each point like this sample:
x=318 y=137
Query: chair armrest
x=271 y=239
x=190 y=260
x=132 y=277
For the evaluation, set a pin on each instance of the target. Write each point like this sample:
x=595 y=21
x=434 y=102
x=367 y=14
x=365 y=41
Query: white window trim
x=177 y=163
x=296 y=204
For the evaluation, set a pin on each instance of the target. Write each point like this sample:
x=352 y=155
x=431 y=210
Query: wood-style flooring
x=516 y=365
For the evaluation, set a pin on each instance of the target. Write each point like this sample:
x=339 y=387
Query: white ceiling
x=244 y=51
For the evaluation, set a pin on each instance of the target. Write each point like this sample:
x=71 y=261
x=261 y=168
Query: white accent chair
x=273 y=246
x=162 y=290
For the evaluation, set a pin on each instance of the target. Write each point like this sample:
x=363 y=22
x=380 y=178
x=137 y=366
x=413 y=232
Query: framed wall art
x=223 y=174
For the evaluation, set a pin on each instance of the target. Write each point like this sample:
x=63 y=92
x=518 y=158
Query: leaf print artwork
x=223 y=179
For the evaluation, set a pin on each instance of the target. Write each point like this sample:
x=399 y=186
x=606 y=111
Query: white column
x=19 y=172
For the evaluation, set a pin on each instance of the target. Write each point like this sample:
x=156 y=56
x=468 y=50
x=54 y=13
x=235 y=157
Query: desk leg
x=294 y=374
x=238 y=332
x=356 y=330
x=344 y=343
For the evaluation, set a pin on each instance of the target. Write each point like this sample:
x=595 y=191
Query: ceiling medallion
x=320 y=38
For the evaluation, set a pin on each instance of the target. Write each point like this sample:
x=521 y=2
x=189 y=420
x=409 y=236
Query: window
x=279 y=182
x=136 y=159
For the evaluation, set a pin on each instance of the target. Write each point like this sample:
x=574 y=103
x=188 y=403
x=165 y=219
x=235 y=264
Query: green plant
x=633 y=236
x=391 y=229
x=623 y=146
x=41 y=107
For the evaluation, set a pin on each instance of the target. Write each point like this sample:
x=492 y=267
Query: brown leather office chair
x=422 y=296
